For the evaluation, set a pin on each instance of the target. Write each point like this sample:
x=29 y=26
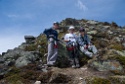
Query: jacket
x=51 y=33
x=83 y=40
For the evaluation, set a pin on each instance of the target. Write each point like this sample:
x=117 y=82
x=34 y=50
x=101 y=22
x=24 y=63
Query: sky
x=30 y=17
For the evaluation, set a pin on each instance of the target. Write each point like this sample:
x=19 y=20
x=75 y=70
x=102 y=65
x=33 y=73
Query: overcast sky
x=31 y=17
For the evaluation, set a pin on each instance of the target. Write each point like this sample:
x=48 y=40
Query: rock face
x=26 y=62
x=107 y=65
x=19 y=57
x=29 y=39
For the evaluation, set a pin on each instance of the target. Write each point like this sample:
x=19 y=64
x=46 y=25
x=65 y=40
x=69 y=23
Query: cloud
x=21 y=16
x=12 y=16
x=81 y=6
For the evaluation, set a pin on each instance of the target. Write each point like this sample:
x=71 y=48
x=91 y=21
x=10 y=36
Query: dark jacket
x=51 y=33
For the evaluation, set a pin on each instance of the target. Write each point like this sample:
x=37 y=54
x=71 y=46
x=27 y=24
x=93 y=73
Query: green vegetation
x=117 y=47
x=97 y=80
x=121 y=59
x=31 y=47
x=13 y=71
x=117 y=79
x=14 y=79
x=100 y=81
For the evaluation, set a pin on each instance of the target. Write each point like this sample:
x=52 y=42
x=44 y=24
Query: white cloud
x=12 y=16
x=21 y=16
x=81 y=6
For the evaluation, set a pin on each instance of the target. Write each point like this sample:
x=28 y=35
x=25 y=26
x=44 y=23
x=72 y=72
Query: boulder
x=26 y=58
x=29 y=39
x=106 y=65
x=62 y=60
x=92 y=32
x=37 y=82
x=92 y=22
x=106 y=27
x=109 y=32
x=19 y=57
x=117 y=39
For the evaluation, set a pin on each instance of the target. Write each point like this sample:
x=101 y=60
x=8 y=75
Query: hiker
x=71 y=46
x=85 y=45
x=52 y=36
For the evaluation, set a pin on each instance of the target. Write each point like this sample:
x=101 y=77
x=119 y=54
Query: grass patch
x=100 y=81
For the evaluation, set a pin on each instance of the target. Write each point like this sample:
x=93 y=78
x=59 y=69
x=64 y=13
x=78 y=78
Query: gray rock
x=12 y=54
x=1 y=60
x=92 y=22
x=37 y=82
x=44 y=70
x=123 y=45
x=23 y=46
x=121 y=53
x=22 y=61
x=117 y=39
x=26 y=58
x=92 y=32
x=91 y=27
x=110 y=32
x=106 y=27
x=107 y=65
x=19 y=57
x=29 y=39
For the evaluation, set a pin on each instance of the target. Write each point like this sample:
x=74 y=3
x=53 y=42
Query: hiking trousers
x=87 y=51
x=73 y=56
x=52 y=53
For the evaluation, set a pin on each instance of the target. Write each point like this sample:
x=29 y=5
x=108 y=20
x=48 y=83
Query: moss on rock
x=97 y=80
x=117 y=79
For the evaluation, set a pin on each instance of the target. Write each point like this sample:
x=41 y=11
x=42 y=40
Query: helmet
x=71 y=27
x=81 y=29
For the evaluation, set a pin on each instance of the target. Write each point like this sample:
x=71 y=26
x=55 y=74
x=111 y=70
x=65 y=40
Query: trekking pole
x=73 y=48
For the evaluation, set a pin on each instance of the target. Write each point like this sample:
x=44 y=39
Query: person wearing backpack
x=85 y=45
x=52 y=37
x=71 y=45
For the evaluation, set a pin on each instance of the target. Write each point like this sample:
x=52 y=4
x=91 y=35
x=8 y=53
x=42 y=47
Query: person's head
x=71 y=29
x=82 y=31
x=55 y=25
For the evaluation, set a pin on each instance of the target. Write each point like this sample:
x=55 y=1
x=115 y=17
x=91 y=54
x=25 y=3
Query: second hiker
x=71 y=45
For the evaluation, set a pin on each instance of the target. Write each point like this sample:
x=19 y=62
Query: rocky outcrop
x=107 y=65
x=30 y=39
x=26 y=62
x=19 y=57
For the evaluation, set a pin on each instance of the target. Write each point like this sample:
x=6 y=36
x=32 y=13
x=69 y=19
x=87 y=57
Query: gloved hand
x=85 y=46
x=55 y=46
